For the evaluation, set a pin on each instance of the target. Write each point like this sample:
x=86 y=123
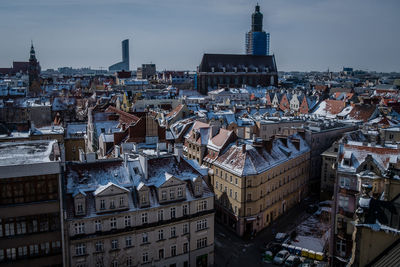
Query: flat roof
x=27 y=152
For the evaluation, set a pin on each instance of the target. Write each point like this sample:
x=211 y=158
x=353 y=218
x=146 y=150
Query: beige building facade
x=256 y=183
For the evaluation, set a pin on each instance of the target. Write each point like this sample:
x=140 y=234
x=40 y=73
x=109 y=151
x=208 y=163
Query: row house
x=297 y=102
x=358 y=163
x=154 y=210
x=257 y=182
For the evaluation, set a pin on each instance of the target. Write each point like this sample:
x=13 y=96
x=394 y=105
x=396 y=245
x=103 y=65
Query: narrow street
x=230 y=250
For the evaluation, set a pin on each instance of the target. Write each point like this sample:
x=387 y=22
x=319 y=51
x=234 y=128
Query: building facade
x=124 y=64
x=30 y=204
x=224 y=70
x=256 y=183
x=153 y=211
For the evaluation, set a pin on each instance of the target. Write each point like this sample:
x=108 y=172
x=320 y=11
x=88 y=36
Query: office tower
x=257 y=40
x=124 y=64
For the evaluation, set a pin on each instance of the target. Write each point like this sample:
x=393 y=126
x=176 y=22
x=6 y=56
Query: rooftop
x=27 y=152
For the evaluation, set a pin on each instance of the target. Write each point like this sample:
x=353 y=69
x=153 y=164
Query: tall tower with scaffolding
x=257 y=40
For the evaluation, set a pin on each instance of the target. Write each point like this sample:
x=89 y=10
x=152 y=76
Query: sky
x=174 y=34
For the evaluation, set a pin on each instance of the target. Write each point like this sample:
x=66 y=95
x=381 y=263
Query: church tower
x=33 y=72
x=257 y=40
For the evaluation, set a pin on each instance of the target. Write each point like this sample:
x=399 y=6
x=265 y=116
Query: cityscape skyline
x=311 y=35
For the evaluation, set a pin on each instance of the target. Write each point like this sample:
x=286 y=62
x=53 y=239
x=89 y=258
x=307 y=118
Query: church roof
x=240 y=62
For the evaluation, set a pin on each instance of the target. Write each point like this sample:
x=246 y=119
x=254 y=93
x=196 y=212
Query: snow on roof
x=252 y=160
x=27 y=152
x=75 y=130
x=48 y=130
x=101 y=188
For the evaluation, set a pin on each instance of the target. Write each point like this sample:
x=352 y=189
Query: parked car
x=293 y=260
x=281 y=237
x=281 y=257
x=311 y=208
x=272 y=247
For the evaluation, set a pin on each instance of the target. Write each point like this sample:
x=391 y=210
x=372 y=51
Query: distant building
x=228 y=70
x=33 y=71
x=146 y=71
x=124 y=64
x=257 y=40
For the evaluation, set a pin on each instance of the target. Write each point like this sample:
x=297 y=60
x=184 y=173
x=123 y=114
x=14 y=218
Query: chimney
x=125 y=159
x=143 y=164
x=178 y=151
x=117 y=151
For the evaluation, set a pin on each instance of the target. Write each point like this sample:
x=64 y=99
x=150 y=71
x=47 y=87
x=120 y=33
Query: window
x=145 y=238
x=129 y=261
x=164 y=195
x=128 y=241
x=21 y=227
x=80 y=208
x=198 y=189
x=114 y=263
x=341 y=247
x=143 y=198
x=173 y=213
x=236 y=181
x=185 y=209
x=161 y=215
x=22 y=251
x=344 y=182
x=231 y=179
x=34 y=249
x=249 y=197
x=145 y=257
x=202 y=205
x=160 y=234
x=173 y=250
x=11 y=253
x=202 y=224
x=112 y=204
x=99 y=246
x=172 y=193
x=80 y=249
x=9 y=229
x=121 y=201
x=161 y=254
x=180 y=192
x=127 y=221
x=216 y=185
x=79 y=228
x=173 y=231
x=185 y=228
x=185 y=247
x=230 y=192
x=144 y=217
x=114 y=244
x=113 y=223
x=102 y=204
x=97 y=224
x=202 y=242
x=236 y=195
x=344 y=202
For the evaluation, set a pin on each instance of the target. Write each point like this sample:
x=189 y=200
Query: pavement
x=231 y=250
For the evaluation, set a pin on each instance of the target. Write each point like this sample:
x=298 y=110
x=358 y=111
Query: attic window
x=347 y=162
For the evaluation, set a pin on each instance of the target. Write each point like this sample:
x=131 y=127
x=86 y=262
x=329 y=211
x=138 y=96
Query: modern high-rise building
x=124 y=64
x=257 y=40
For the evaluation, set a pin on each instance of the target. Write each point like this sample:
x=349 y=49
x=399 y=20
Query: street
x=230 y=250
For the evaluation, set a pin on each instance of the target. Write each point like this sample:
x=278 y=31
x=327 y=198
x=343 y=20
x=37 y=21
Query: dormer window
x=198 y=189
x=164 y=195
x=80 y=208
x=171 y=193
x=121 y=201
x=144 y=199
x=102 y=204
x=347 y=162
x=180 y=192
x=112 y=204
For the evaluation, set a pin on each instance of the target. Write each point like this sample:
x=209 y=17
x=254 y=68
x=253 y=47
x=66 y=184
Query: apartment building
x=30 y=218
x=152 y=209
x=256 y=182
x=358 y=163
